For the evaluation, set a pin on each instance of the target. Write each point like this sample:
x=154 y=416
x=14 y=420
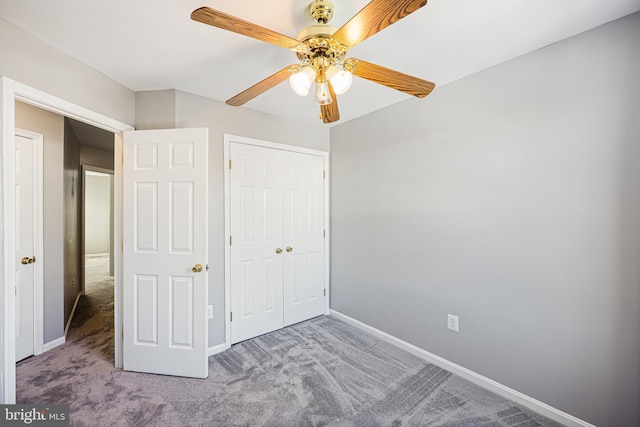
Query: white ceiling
x=153 y=44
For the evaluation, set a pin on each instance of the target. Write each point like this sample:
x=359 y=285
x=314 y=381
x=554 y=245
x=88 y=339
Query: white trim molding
x=7 y=231
x=85 y=170
x=55 y=343
x=484 y=382
x=216 y=349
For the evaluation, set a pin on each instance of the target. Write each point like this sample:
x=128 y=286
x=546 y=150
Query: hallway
x=55 y=376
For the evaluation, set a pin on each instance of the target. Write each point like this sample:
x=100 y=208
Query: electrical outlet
x=209 y=312
x=452 y=322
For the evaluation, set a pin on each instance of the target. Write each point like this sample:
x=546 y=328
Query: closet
x=276 y=237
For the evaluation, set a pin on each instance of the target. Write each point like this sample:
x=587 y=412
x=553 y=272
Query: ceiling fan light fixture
x=301 y=81
x=323 y=95
x=321 y=50
x=340 y=79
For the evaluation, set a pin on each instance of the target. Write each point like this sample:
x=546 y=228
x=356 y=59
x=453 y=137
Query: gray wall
x=92 y=156
x=31 y=61
x=156 y=109
x=510 y=198
x=52 y=127
x=97 y=214
x=72 y=220
x=195 y=111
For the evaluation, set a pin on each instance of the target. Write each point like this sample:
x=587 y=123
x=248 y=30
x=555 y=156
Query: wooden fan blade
x=330 y=112
x=260 y=88
x=393 y=79
x=206 y=15
x=374 y=17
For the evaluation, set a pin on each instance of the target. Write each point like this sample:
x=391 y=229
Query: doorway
x=97 y=226
x=12 y=91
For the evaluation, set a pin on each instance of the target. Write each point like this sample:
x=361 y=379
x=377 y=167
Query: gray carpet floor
x=317 y=373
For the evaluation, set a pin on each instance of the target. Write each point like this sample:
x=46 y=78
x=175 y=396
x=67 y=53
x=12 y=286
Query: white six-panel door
x=165 y=239
x=256 y=247
x=24 y=205
x=303 y=236
x=277 y=253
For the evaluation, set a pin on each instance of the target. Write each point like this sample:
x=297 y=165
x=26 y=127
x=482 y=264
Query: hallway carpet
x=317 y=373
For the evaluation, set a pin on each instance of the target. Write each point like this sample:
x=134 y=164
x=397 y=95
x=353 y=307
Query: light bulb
x=323 y=96
x=340 y=79
x=301 y=81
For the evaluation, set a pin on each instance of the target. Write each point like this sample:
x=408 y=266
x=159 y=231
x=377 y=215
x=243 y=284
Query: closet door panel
x=277 y=254
x=256 y=269
x=303 y=217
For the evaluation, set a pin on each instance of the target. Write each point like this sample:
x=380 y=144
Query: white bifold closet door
x=277 y=242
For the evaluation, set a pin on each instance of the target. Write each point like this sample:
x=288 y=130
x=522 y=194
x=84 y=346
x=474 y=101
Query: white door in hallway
x=165 y=252
x=277 y=252
x=25 y=233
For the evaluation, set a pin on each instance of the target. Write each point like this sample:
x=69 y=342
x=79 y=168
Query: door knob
x=278 y=250
x=27 y=260
x=197 y=268
x=289 y=248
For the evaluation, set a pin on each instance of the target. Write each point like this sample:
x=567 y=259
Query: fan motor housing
x=322 y=50
x=317 y=31
x=321 y=11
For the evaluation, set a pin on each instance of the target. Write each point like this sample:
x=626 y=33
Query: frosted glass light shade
x=323 y=96
x=340 y=79
x=301 y=81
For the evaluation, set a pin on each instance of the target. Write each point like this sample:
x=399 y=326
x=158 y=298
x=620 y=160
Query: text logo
x=35 y=415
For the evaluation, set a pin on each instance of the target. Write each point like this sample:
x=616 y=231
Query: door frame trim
x=228 y=139
x=10 y=92
x=38 y=242
x=85 y=169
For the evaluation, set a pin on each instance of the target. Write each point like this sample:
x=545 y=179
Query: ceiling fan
x=322 y=50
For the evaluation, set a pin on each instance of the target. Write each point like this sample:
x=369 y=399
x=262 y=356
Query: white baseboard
x=53 y=344
x=482 y=381
x=73 y=311
x=216 y=349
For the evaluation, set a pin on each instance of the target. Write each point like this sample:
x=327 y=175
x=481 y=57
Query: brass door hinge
x=231 y=319
x=325 y=292
x=230 y=164
x=324 y=174
x=230 y=240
